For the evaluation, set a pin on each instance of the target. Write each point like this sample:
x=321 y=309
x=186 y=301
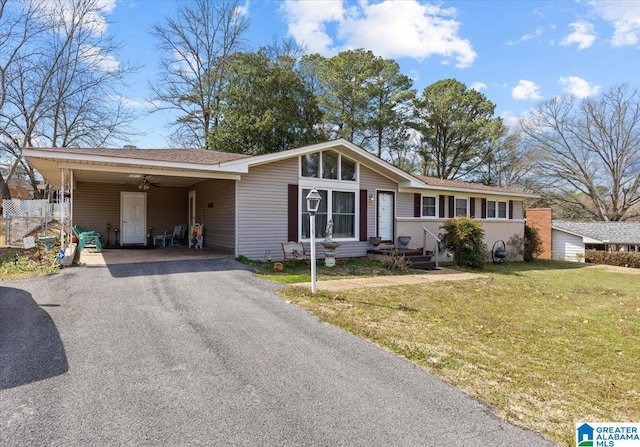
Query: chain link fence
x=23 y=217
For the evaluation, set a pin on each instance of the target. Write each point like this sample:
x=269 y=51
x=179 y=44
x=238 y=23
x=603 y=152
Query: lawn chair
x=89 y=239
x=196 y=236
x=165 y=237
x=179 y=232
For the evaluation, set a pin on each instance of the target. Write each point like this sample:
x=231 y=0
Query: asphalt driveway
x=201 y=352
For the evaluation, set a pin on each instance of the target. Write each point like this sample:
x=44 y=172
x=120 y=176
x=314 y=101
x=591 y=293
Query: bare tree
x=17 y=28
x=63 y=88
x=198 y=44
x=589 y=152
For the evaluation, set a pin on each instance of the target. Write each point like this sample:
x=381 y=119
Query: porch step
x=419 y=261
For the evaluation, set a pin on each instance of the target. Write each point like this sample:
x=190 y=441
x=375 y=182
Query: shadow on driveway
x=172 y=267
x=30 y=345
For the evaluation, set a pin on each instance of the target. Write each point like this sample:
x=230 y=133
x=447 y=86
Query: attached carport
x=129 y=195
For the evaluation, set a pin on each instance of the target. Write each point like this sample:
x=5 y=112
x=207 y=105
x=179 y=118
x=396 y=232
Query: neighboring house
x=250 y=205
x=567 y=241
x=18 y=189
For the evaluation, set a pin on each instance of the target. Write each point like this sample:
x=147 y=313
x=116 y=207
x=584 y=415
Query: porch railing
x=438 y=241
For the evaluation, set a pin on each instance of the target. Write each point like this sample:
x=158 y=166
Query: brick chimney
x=540 y=219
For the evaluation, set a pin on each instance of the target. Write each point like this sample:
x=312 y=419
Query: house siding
x=566 y=247
x=495 y=229
x=215 y=205
x=263 y=211
x=96 y=204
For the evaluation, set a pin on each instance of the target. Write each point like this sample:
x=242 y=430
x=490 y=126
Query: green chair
x=88 y=239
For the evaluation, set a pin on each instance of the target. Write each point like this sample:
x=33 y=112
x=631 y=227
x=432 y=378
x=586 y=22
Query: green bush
x=532 y=244
x=617 y=258
x=464 y=238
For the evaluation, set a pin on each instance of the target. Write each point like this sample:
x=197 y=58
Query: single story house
x=567 y=241
x=250 y=205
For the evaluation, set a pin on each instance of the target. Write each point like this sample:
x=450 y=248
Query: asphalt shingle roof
x=197 y=156
x=435 y=181
x=614 y=232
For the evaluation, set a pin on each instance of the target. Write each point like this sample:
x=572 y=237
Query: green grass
x=22 y=264
x=546 y=343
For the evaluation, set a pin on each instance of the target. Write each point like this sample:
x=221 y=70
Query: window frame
x=435 y=207
x=497 y=211
x=302 y=215
x=320 y=167
x=455 y=206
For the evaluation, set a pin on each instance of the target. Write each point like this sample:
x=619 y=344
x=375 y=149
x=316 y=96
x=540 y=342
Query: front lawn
x=546 y=343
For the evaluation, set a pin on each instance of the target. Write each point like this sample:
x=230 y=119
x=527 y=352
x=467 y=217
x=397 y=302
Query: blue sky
x=517 y=53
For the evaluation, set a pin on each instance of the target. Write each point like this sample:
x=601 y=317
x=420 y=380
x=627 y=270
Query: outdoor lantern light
x=313 y=203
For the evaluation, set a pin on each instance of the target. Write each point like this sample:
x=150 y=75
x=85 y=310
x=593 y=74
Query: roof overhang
x=467 y=191
x=343 y=146
x=585 y=239
x=102 y=169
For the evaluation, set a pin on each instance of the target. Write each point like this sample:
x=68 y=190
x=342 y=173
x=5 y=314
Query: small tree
x=532 y=244
x=464 y=238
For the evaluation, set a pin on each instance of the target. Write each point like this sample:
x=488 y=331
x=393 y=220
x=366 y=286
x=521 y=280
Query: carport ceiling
x=134 y=177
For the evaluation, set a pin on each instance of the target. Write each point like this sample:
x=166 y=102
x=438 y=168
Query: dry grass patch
x=546 y=344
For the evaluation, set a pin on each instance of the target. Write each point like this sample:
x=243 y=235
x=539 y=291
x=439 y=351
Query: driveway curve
x=201 y=352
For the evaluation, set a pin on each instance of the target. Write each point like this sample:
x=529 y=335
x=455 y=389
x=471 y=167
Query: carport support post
x=313 y=202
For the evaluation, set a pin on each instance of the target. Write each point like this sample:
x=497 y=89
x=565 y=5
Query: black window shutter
x=483 y=206
x=417 y=204
x=292 y=210
x=441 y=206
x=472 y=207
x=510 y=209
x=452 y=206
x=363 y=214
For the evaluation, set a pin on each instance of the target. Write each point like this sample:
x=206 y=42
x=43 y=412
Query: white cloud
x=583 y=35
x=625 y=18
x=137 y=103
x=479 y=86
x=94 y=21
x=510 y=119
x=95 y=57
x=308 y=22
x=578 y=87
x=526 y=90
x=389 y=29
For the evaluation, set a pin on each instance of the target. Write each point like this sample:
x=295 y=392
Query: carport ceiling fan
x=145 y=183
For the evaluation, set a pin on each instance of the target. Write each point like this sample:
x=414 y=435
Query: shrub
x=532 y=244
x=463 y=238
x=395 y=261
x=617 y=258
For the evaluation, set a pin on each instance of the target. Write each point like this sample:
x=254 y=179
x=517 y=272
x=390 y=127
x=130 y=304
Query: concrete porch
x=136 y=255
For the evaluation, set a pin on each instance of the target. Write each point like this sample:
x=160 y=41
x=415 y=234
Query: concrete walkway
x=398 y=280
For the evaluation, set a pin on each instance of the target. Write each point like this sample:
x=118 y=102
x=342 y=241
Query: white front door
x=385 y=216
x=133 y=212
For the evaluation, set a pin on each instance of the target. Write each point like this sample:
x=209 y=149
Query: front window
x=337 y=205
x=491 y=209
x=461 y=207
x=429 y=206
x=328 y=165
x=496 y=209
x=502 y=210
x=309 y=165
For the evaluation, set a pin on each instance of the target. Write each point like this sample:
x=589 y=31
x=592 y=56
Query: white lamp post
x=313 y=203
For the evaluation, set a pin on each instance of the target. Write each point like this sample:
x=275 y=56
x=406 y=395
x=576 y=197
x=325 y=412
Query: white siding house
x=567 y=246
x=250 y=205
